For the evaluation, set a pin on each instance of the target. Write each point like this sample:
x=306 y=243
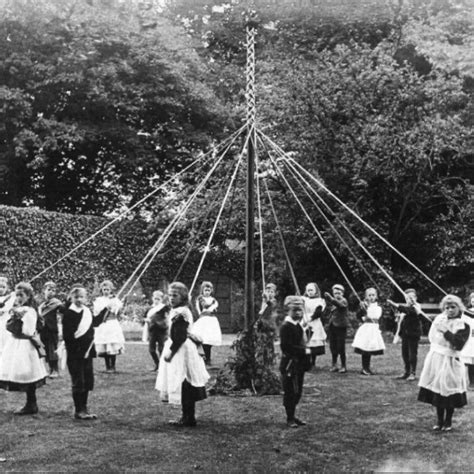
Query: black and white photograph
x=237 y=236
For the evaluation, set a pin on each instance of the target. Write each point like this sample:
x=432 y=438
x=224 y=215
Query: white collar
x=289 y=319
x=76 y=308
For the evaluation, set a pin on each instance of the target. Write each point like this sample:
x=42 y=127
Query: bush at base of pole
x=252 y=366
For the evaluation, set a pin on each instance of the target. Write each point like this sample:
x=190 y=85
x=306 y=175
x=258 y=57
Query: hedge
x=32 y=239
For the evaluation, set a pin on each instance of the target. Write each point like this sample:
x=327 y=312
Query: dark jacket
x=293 y=348
x=48 y=311
x=266 y=321
x=77 y=348
x=337 y=313
x=410 y=326
x=159 y=320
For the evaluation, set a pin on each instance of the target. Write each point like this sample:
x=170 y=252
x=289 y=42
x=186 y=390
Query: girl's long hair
x=30 y=293
x=182 y=290
x=204 y=285
x=315 y=286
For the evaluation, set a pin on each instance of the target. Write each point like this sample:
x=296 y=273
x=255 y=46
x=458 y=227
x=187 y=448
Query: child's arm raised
x=214 y=306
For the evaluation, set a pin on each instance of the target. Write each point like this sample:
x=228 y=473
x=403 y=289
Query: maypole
x=252 y=366
x=251 y=152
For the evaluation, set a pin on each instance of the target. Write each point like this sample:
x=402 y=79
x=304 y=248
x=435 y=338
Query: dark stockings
x=189 y=412
x=366 y=362
x=290 y=412
x=80 y=401
x=110 y=362
x=207 y=352
x=31 y=396
x=155 y=358
x=343 y=359
x=449 y=416
x=445 y=416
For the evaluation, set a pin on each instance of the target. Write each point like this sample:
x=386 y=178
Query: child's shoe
x=182 y=422
x=27 y=410
x=334 y=368
x=402 y=377
x=84 y=415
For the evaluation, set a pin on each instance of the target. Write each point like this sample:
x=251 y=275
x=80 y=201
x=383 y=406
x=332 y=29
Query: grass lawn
x=356 y=423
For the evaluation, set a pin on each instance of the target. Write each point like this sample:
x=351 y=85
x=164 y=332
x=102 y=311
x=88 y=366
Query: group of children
x=207 y=327
x=333 y=309
x=27 y=334
x=443 y=381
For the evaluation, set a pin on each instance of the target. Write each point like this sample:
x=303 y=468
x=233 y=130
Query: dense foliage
x=101 y=100
x=33 y=239
x=370 y=106
x=98 y=102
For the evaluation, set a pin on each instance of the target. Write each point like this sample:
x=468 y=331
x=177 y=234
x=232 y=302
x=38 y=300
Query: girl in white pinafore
x=443 y=381
x=207 y=327
x=7 y=300
x=109 y=339
x=182 y=375
x=368 y=340
x=21 y=369
x=467 y=354
x=314 y=306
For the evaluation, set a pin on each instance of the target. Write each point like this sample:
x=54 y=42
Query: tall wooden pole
x=251 y=151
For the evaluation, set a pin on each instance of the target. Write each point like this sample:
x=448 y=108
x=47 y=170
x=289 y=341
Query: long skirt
x=21 y=365
x=109 y=338
x=443 y=381
x=318 y=336
x=368 y=340
x=186 y=364
x=209 y=330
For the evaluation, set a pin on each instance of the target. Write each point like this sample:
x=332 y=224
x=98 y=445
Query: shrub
x=33 y=239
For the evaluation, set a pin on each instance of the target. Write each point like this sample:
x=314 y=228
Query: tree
x=362 y=103
x=98 y=101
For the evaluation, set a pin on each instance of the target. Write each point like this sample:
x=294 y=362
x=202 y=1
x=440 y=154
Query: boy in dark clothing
x=294 y=358
x=338 y=320
x=48 y=312
x=409 y=332
x=78 y=334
